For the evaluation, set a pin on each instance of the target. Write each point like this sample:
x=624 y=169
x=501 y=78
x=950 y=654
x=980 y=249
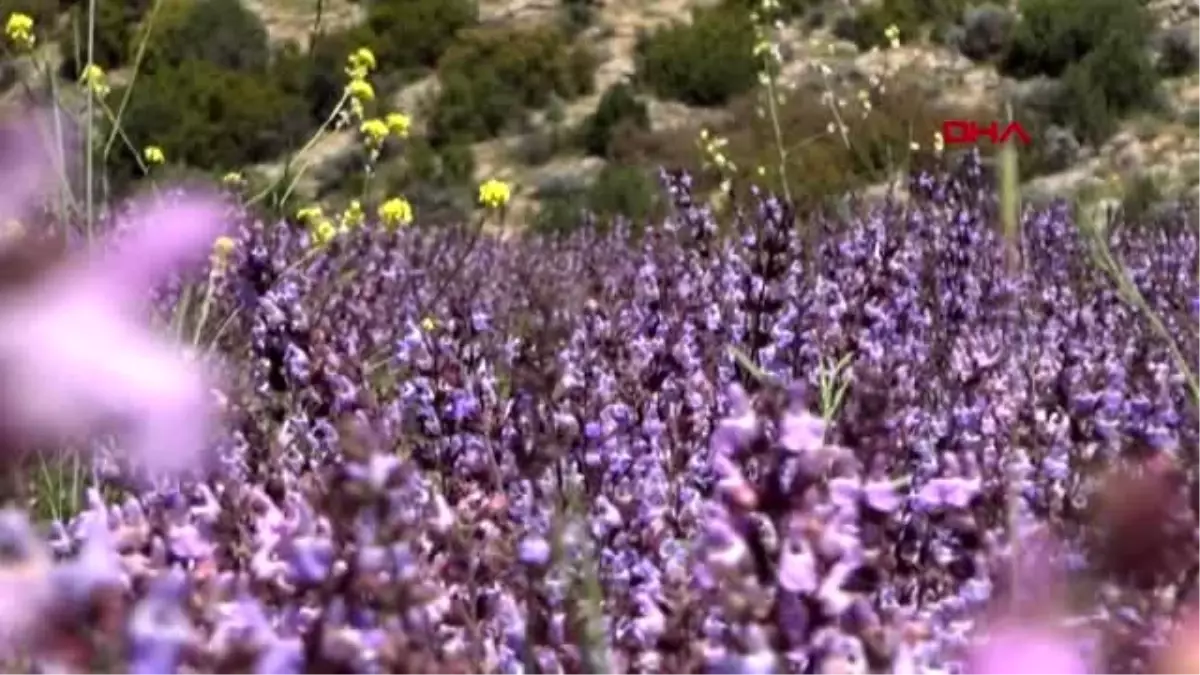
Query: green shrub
x=318 y=75
x=211 y=118
x=788 y=9
x=912 y=17
x=578 y=15
x=1140 y=195
x=1113 y=80
x=985 y=32
x=704 y=63
x=618 y=190
x=116 y=26
x=407 y=34
x=1178 y=51
x=223 y=33
x=1051 y=35
x=494 y=76
x=618 y=108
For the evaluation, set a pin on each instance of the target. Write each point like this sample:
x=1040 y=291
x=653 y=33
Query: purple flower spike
x=798 y=569
x=159 y=628
x=801 y=432
x=882 y=496
x=949 y=492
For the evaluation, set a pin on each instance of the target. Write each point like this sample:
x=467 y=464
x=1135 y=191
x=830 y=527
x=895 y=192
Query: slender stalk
x=90 y=158
x=137 y=66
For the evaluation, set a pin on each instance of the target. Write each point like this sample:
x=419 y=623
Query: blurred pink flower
x=1027 y=649
x=77 y=355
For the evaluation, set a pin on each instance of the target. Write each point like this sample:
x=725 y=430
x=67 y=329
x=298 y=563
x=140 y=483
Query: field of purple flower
x=887 y=441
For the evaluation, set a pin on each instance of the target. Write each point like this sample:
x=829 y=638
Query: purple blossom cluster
x=870 y=442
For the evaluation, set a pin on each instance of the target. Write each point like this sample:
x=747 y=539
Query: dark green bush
x=407 y=34
x=618 y=108
x=211 y=118
x=618 y=190
x=1113 y=80
x=1178 y=52
x=704 y=63
x=788 y=9
x=319 y=75
x=116 y=26
x=578 y=14
x=985 y=32
x=223 y=33
x=911 y=17
x=494 y=76
x=1054 y=34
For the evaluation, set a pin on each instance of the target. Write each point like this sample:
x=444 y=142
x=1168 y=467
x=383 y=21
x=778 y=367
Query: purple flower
x=801 y=432
x=82 y=359
x=1027 y=650
x=948 y=492
x=534 y=551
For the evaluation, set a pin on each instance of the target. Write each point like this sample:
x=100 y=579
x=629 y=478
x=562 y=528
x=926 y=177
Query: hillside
x=826 y=70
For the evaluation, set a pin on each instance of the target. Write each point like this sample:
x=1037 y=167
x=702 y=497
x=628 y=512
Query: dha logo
x=960 y=132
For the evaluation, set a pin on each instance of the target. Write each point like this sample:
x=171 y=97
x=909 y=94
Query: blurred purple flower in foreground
x=1013 y=649
x=76 y=356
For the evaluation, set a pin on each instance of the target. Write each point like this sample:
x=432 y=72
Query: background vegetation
x=217 y=93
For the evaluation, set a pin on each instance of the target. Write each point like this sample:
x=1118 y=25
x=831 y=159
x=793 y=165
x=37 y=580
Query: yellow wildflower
x=428 y=324
x=309 y=214
x=360 y=90
x=153 y=155
x=892 y=33
x=353 y=216
x=396 y=212
x=494 y=194
x=356 y=111
x=375 y=131
x=19 y=30
x=398 y=124
x=233 y=178
x=222 y=248
x=360 y=63
x=323 y=231
x=94 y=80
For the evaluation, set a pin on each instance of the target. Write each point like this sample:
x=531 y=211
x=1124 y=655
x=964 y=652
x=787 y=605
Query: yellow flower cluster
x=153 y=155
x=375 y=131
x=233 y=179
x=892 y=33
x=398 y=124
x=352 y=216
x=94 y=80
x=359 y=65
x=395 y=212
x=19 y=31
x=319 y=225
x=713 y=148
x=223 y=247
x=494 y=194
